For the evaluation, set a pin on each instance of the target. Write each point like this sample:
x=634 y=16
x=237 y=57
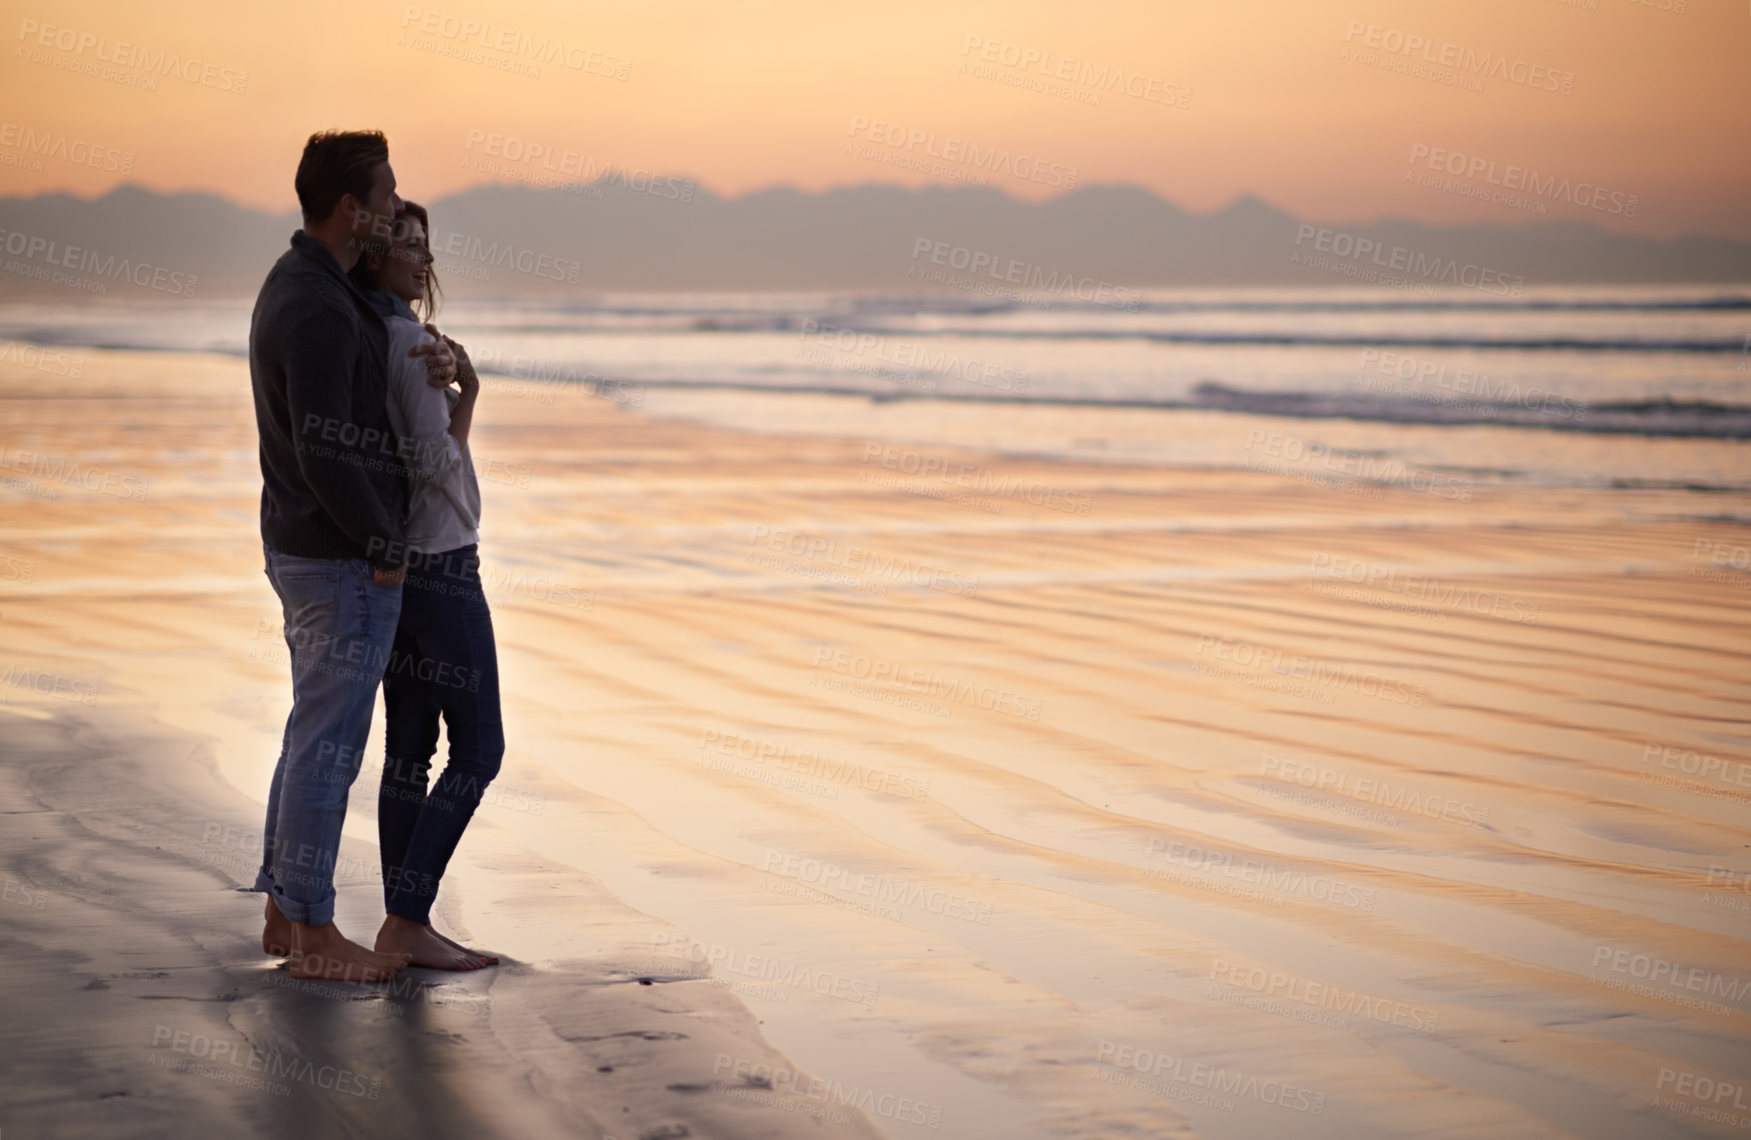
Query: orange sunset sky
x=1230 y=98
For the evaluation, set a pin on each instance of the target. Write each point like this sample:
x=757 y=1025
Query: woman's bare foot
x=491 y=959
x=324 y=952
x=276 y=936
x=425 y=946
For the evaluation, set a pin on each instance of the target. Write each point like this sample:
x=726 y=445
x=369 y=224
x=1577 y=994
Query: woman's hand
x=466 y=379
x=462 y=371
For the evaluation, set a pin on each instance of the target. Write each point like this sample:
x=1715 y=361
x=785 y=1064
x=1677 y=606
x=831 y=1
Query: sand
x=938 y=786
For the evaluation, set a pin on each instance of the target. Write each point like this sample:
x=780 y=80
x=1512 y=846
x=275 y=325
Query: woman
x=444 y=663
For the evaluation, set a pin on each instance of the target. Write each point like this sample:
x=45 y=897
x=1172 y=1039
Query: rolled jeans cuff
x=306 y=914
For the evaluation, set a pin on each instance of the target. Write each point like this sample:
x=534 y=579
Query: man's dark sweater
x=318 y=363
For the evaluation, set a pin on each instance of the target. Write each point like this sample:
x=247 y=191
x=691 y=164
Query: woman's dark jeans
x=444 y=664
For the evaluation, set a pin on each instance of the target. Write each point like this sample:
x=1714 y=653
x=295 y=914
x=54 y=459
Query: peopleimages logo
x=70 y=473
x=1456 y=596
x=1255 y=873
x=861 y=560
x=776 y=974
x=925 y=682
x=1371 y=790
x=1280 y=987
x=273 y=1065
x=55 y=255
x=1703 y=1088
x=504 y=255
x=1081 y=72
x=813 y=764
x=761 y=1083
x=50 y=360
x=831 y=877
x=1511 y=177
x=1661 y=972
x=1013 y=271
x=1318 y=670
x=1489 y=393
x=1214 y=1078
x=1488 y=65
x=568 y=167
x=514 y=43
x=977 y=479
x=1437 y=269
x=78 y=152
x=134 y=57
x=1352 y=464
x=47 y=684
x=962 y=152
x=1706 y=769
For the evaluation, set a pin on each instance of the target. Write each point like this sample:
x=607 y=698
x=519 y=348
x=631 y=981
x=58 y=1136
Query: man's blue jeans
x=339 y=629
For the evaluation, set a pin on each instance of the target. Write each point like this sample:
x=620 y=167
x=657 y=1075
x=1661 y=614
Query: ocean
x=1567 y=386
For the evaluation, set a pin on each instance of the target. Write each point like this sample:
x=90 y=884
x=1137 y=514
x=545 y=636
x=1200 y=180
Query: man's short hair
x=336 y=163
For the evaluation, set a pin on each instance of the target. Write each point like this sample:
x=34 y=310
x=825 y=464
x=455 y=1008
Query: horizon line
x=1239 y=199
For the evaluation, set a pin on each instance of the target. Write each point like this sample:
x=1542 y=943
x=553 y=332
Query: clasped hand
x=446 y=361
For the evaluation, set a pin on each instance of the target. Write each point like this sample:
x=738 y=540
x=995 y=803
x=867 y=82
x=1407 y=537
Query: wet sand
x=1001 y=794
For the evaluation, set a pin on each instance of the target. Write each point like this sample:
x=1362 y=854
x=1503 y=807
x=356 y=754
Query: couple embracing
x=369 y=519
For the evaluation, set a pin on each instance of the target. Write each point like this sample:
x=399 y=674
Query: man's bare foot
x=276 y=936
x=426 y=946
x=323 y=952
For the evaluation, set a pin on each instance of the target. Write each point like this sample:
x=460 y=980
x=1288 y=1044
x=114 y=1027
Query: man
x=331 y=525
